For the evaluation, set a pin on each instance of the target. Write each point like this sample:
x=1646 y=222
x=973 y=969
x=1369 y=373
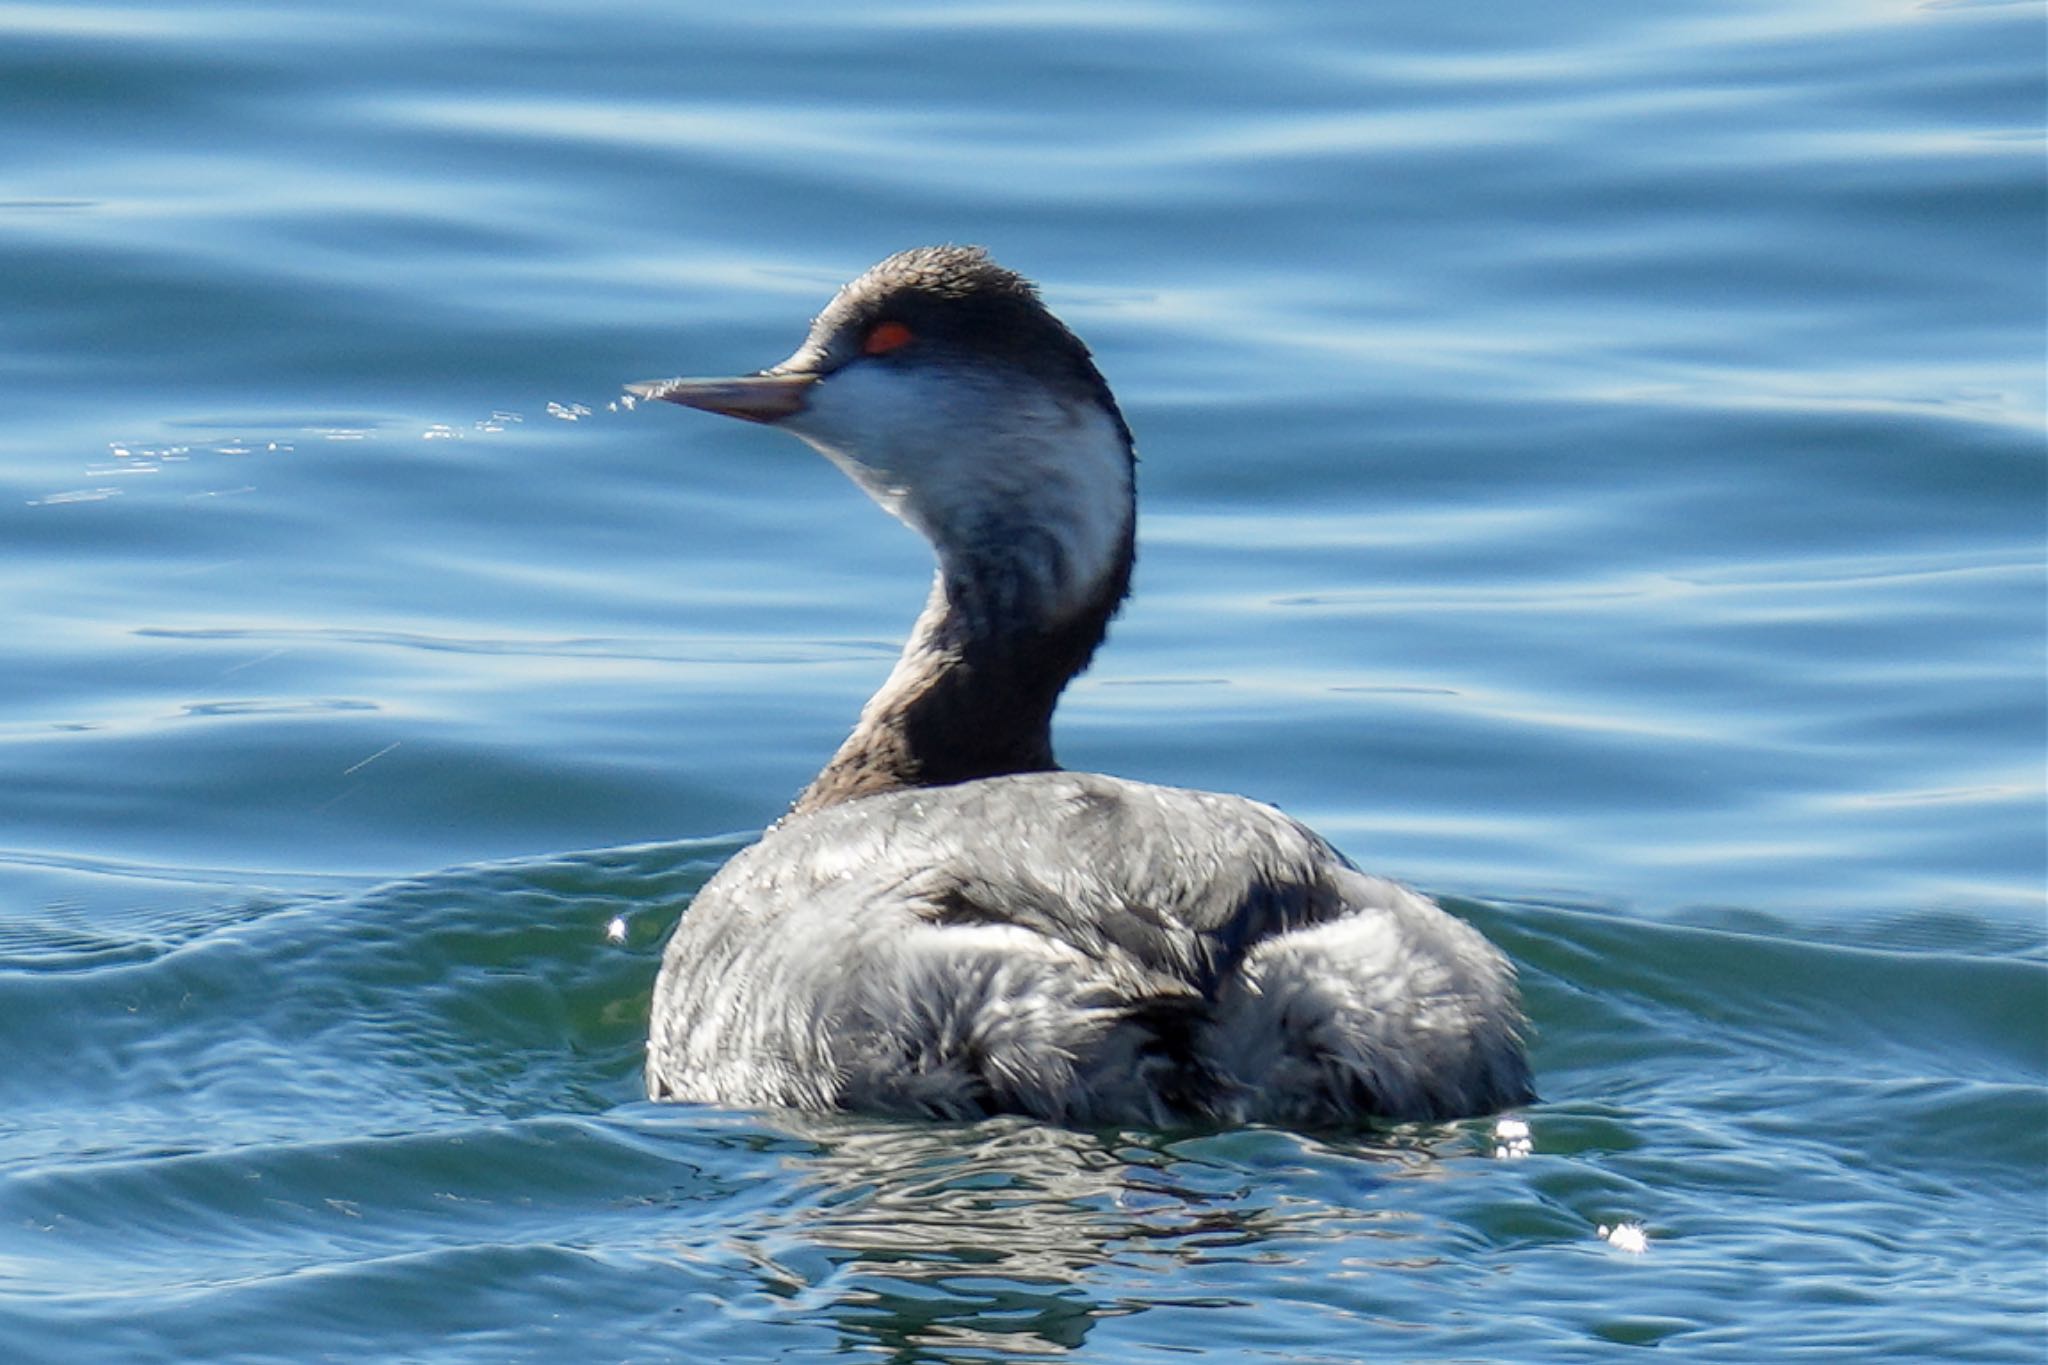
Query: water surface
x=1592 y=470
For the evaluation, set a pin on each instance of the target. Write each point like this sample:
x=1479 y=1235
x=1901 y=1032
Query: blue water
x=1592 y=469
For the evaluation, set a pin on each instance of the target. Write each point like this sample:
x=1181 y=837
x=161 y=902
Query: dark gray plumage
x=1082 y=948
x=945 y=924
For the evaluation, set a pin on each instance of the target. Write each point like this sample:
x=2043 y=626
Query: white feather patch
x=959 y=456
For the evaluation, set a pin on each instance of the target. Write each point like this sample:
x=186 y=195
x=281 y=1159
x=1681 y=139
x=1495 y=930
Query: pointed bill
x=755 y=397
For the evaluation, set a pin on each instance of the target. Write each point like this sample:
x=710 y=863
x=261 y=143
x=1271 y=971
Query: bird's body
x=946 y=924
x=1082 y=948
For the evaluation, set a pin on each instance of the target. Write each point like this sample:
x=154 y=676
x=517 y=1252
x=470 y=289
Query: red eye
x=885 y=337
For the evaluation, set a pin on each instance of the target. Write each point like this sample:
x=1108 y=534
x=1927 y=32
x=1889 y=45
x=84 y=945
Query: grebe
x=947 y=924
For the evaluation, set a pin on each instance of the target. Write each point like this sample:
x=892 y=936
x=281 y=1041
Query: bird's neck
x=973 y=693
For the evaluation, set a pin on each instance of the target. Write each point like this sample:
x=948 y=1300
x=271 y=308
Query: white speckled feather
x=1023 y=943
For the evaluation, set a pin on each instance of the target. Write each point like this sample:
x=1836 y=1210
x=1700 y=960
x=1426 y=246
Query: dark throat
x=973 y=694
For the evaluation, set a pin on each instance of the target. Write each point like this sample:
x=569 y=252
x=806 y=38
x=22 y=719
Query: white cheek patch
x=953 y=457
x=1069 y=474
x=864 y=419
